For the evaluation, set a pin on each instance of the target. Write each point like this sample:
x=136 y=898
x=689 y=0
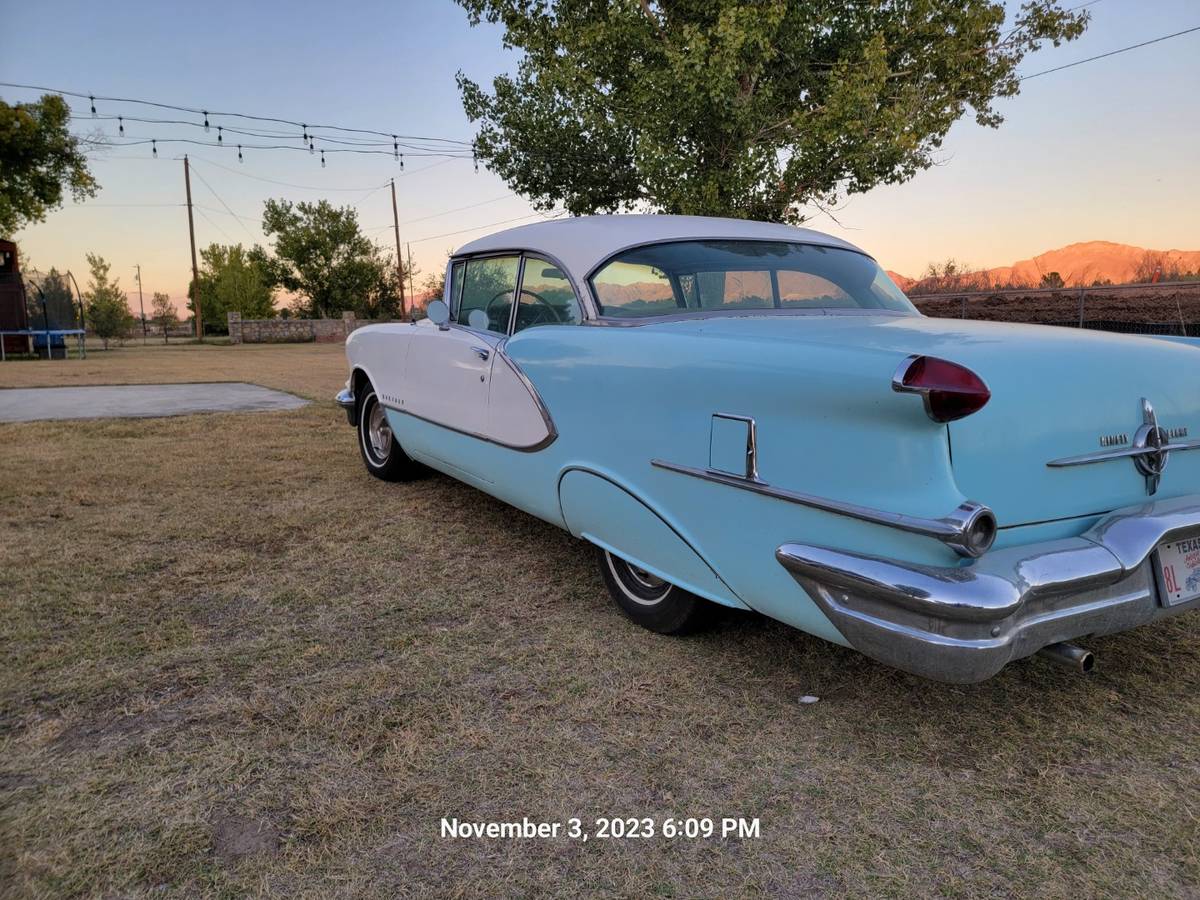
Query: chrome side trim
x=964 y=623
x=954 y=529
x=751 y=442
x=532 y=448
x=1151 y=450
x=551 y=430
x=1088 y=459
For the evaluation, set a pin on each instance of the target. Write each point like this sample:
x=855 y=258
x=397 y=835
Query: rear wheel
x=651 y=602
x=381 y=452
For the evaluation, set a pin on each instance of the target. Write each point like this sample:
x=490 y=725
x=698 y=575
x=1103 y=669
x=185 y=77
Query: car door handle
x=481 y=352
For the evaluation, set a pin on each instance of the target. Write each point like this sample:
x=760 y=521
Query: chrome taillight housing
x=950 y=391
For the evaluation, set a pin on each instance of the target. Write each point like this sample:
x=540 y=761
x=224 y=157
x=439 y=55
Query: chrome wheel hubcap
x=379 y=433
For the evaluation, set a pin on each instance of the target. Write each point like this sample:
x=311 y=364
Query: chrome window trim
x=525 y=255
x=954 y=529
x=595 y=270
x=501 y=254
x=817 y=312
x=585 y=308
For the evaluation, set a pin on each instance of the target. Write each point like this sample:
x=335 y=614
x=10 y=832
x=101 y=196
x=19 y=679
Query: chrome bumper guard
x=345 y=399
x=964 y=623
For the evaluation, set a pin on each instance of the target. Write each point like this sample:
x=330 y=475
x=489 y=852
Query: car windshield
x=685 y=276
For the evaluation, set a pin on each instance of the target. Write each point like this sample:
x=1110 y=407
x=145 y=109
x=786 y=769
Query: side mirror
x=438 y=312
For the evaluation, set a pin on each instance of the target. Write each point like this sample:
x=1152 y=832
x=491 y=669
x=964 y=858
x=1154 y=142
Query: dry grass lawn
x=235 y=664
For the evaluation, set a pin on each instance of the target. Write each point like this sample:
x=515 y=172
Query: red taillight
x=950 y=391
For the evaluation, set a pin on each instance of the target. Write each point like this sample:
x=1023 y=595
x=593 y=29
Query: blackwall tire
x=651 y=602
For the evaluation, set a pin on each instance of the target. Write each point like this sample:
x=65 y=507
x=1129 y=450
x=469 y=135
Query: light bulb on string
x=220 y=136
x=93 y=102
x=311 y=148
x=305 y=135
x=153 y=148
x=475 y=159
x=121 y=125
x=322 y=159
x=206 y=120
x=395 y=147
x=401 y=162
x=239 y=152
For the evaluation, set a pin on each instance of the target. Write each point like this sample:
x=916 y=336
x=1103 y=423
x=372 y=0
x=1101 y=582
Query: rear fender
x=612 y=517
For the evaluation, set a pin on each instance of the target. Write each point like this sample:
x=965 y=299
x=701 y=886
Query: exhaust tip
x=1071 y=656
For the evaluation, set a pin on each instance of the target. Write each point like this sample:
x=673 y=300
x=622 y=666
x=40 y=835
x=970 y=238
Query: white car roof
x=581 y=243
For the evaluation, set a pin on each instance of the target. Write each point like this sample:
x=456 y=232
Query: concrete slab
x=139 y=400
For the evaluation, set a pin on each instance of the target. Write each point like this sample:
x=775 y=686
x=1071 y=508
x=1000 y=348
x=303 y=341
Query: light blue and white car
x=753 y=416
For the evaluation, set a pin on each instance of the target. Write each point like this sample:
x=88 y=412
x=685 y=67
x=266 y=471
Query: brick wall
x=290 y=331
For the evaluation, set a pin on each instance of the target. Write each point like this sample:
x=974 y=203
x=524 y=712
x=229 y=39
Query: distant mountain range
x=1086 y=263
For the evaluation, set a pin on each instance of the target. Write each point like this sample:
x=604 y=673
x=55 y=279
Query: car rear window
x=689 y=276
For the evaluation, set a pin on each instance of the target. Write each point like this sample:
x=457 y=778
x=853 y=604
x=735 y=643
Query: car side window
x=547 y=297
x=485 y=300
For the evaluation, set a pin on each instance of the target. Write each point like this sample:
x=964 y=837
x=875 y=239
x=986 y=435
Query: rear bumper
x=964 y=623
x=345 y=399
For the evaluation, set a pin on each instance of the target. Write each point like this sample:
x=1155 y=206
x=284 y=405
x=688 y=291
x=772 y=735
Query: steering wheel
x=554 y=313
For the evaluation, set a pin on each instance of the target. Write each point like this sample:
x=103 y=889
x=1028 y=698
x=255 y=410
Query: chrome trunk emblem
x=1152 y=440
x=1150 y=452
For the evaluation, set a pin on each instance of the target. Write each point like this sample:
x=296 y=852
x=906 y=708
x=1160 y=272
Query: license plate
x=1179 y=570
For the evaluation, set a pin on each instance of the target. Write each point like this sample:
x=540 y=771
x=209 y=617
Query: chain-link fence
x=1155 y=309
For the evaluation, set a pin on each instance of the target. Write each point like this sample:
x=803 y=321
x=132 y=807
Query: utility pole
x=399 y=258
x=187 y=180
x=411 y=290
x=141 y=305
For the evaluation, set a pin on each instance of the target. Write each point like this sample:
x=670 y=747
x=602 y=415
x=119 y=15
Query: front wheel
x=651 y=602
x=381 y=452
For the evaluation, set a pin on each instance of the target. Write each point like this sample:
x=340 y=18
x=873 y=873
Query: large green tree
x=748 y=109
x=232 y=280
x=321 y=255
x=107 y=306
x=39 y=158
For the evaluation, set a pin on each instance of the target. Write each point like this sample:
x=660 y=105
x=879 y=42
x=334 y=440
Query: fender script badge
x=1151 y=450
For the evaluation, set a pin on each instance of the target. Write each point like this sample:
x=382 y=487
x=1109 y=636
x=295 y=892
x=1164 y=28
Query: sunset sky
x=1103 y=151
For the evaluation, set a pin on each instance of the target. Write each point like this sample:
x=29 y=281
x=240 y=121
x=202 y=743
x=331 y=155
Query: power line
x=216 y=113
x=212 y=223
x=303 y=187
x=434 y=237
x=135 y=142
x=446 y=212
x=1080 y=62
x=228 y=129
x=212 y=191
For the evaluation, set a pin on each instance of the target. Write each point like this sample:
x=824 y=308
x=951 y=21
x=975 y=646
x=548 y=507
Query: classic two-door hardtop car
x=754 y=415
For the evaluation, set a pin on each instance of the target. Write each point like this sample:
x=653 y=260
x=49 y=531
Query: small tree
x=107 y=306
x=1052 y=280
x=162 y=311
